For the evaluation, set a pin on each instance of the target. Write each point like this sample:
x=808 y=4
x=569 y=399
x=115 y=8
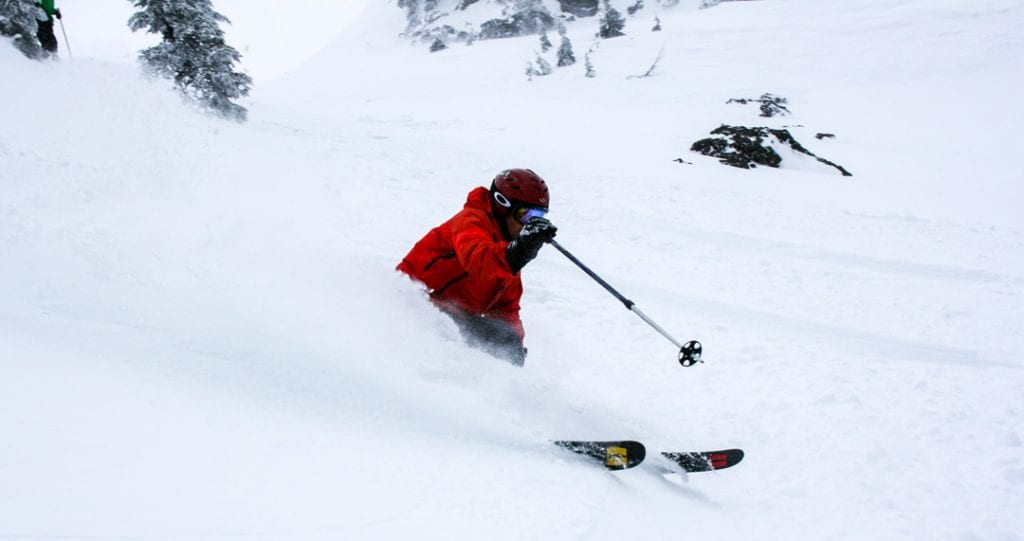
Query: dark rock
x=826 y=136
x=746 y=148
x=739 y=147
x=579 y=8
x=771 y=105
x=530 y=21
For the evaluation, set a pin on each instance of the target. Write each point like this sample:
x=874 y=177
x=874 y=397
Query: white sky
x=98 y=29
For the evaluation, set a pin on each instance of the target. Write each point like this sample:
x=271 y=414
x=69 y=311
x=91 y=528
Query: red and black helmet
x=516 y=188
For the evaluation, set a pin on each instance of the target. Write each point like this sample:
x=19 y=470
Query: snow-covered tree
x=419 y=11
x=19 y=21
x=612 y=22
x=565 y=54
x=545 y=43
x=543 y=66
x=193 y=53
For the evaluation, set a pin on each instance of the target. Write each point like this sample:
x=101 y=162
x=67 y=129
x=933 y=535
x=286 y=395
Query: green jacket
x=48 y=7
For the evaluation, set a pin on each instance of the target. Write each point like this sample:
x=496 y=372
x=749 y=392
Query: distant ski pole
x=67 y=43
x=689 y=353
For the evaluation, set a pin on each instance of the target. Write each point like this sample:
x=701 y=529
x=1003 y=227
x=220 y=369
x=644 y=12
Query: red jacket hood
x=480 y=199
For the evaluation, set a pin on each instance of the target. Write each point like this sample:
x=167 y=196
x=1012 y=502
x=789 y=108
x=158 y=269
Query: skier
x=45 y=33
x=470 y=264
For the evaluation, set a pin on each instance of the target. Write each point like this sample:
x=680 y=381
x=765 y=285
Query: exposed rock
x=579 y=8
x=746 y=148
x=771 y=105
x=521 y=23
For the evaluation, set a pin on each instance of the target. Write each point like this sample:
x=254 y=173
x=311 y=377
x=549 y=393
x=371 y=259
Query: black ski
x=614 y=455
x=625 y=454
x=706 y=460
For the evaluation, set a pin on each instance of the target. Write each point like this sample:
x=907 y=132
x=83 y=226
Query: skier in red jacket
x=470 y=264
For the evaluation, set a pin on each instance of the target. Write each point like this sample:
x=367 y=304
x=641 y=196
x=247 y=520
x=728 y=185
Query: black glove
x=56 y=13
x=522 y=250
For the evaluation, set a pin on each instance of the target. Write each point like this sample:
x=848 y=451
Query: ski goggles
x=525 y=214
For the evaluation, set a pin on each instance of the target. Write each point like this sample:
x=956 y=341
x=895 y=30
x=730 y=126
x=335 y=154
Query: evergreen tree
x=612 y=22
x=19 y=20
x=193 y=53
x=418 y=11
x=565 y=54
x=543 y=66
x=545 y=43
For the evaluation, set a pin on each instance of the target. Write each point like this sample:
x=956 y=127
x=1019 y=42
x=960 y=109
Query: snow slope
x=201 y=336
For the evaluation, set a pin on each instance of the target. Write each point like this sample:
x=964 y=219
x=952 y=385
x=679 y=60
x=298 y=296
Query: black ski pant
x=46 y=37
x=491 y=335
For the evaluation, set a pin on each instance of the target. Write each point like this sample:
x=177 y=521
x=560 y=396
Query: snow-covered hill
x=201 y=335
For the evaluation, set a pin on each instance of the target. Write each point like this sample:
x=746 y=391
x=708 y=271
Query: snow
x=201 y=335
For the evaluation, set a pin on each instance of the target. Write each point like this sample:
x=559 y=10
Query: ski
x=705 y=460
x=613 y=455
x=625 y=454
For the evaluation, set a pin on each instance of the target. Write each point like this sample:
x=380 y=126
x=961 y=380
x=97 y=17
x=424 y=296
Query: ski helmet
x=516 y=188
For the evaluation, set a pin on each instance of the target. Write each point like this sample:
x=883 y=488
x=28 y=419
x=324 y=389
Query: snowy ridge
x=201 y=335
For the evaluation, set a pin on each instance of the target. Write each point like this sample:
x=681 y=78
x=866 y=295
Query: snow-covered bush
x=193 y=53
x=18 y=20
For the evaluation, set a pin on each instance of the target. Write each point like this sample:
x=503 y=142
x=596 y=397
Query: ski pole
x=689 y=353
x=66 y=42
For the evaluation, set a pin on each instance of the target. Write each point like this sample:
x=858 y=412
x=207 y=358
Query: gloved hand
x=56 y=13
x=535 y=233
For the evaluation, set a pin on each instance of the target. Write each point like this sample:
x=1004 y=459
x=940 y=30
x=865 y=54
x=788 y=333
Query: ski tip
x=706 y=460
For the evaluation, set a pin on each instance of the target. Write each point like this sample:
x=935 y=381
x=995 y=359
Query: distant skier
x=470 y=264
x=45 y=33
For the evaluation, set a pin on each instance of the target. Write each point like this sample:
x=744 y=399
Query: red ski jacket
x=462 y=263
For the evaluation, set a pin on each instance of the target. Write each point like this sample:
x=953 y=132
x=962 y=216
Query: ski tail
x=706 y=460
x=613 y=455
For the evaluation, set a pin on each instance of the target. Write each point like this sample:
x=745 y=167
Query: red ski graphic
x=707 y=460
